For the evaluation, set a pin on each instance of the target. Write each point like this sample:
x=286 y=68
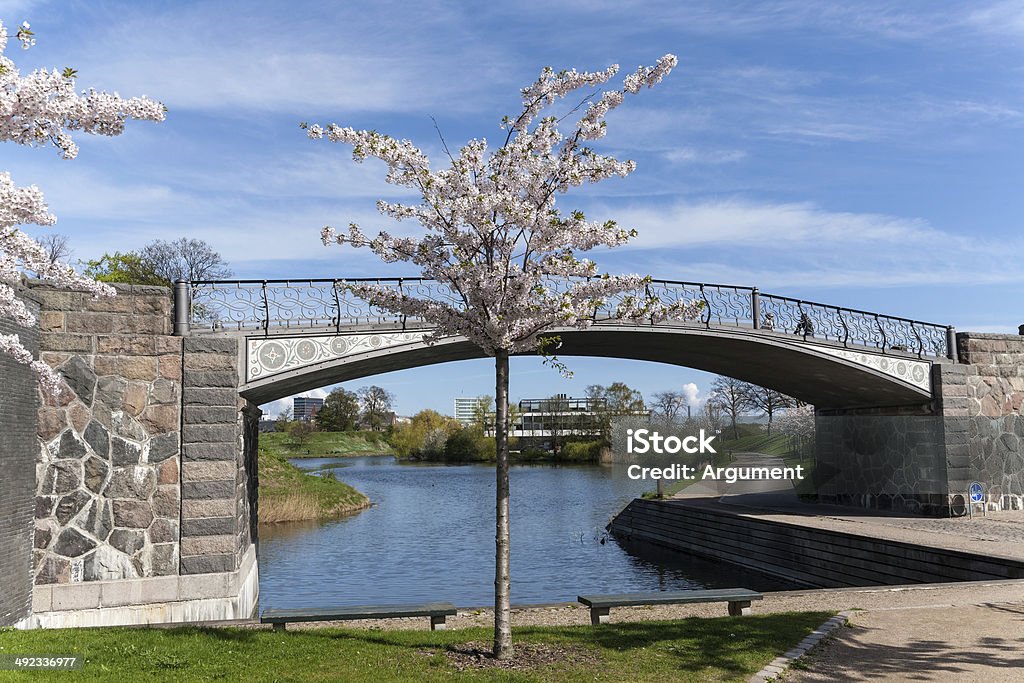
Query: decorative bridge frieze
x=269 y=356
x=914 y=372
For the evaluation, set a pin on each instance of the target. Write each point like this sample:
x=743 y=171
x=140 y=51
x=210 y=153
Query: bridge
x=133 y=496
x=305 y=334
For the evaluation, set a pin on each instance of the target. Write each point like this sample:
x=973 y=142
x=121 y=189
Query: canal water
x=430 y=536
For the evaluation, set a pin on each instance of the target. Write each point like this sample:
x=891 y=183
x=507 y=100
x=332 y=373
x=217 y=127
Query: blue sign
x=977 y=492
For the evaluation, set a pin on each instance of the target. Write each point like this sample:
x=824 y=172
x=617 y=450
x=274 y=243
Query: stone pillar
x=215 y=513
x=985 y=411
x=19 y=402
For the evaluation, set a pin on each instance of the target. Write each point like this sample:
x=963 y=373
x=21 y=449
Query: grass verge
x=326 y=444
x=287 y=494
x=723 y=649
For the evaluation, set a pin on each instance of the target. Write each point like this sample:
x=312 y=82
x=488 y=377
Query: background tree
x=57 y=246
x=185 y=259
x=127 y=268
x=768 y=401
x=425 y=435
x=42 y=109
x=299 y=432
x=669 y=404
x=283 y=420
x=729 y=396
x=161 y=263
x=483 y=414
x=340 y=411
x=375 y=404
x=615 y=400
x=797 y=423
x=503 y=255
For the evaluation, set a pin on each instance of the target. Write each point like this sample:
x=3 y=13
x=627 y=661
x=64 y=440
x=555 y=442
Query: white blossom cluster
x=40 y=109
x=494 y=236
x=797 y=422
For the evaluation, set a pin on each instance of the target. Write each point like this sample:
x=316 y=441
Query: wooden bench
x=437 y=611
x=739 y=600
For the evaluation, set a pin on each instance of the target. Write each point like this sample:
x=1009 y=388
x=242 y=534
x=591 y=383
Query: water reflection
x=430 y=536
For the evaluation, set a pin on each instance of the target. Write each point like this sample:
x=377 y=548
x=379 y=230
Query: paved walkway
x=983 y=643
x=999 y=533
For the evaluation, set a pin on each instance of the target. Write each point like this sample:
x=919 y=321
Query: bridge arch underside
x=810 y=372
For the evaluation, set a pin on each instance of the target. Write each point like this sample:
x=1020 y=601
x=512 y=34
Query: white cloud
x=692 y=394
x=690 y=155
x=741 y=223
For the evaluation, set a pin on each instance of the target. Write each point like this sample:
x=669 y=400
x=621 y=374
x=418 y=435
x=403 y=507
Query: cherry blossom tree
x=504 y=257
x=41 y=109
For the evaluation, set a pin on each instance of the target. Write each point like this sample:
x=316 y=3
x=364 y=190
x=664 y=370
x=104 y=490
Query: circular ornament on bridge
x=918 y=373
x=339 y=346
x=272 y=355
x=901 y=369
x=883 y=363
x=305 y=350
x=375 y=341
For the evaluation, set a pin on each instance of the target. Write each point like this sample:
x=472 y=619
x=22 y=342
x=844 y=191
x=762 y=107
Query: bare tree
x=185 y=259
x=57 y=246
x=727 y=395
x=768 y=401
x=668 y=404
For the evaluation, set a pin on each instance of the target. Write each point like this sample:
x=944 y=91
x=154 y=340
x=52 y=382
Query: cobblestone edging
x=779 y=665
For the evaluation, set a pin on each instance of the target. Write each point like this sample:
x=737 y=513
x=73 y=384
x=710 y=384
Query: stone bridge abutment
x=139 y=475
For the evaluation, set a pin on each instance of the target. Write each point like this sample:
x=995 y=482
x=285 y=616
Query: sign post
x=975 y=495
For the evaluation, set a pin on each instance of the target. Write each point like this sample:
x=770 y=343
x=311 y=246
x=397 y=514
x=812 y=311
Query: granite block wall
x=215 y=489
x=18 y=415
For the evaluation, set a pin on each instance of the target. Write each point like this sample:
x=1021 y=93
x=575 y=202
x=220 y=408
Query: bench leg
x=279 y=626
x=438 y=623
x=739 y=608
x=599 y=615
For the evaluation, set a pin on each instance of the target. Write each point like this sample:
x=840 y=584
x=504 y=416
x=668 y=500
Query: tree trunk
x=502 y=583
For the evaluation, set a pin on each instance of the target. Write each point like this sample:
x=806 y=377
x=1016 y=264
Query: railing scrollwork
x=271 y=306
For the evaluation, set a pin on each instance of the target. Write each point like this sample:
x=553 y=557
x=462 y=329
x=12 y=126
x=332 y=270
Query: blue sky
x=861 y=154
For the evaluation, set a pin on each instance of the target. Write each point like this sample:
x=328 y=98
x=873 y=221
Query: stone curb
x=778 y=666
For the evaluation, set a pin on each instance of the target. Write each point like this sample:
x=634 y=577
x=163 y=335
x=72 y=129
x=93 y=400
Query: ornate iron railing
x=297 y=305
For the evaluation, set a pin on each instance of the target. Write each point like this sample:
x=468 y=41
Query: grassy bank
x=724 y=649
x=775 y=444
x=325 y=444
x=287 y=494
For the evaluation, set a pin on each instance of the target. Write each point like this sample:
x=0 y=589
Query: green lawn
x=723 y=649
x=326 y=444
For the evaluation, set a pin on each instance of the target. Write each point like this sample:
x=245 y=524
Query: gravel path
x=829 y=600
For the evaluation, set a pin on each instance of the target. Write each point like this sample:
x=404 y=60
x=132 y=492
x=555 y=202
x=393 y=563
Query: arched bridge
x=305 y=334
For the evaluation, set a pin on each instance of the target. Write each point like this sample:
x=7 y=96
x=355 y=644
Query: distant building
x=558 y=415
x=268 y=426
x=465 y=408
x=305 y=408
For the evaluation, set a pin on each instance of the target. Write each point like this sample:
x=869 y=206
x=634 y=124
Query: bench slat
x=430 y=609
x=669 y=597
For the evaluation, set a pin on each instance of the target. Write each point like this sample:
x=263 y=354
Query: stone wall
x=984 y=405
x=887 y=459
x=108 y=502
x=18 y=414
x=137 y=474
